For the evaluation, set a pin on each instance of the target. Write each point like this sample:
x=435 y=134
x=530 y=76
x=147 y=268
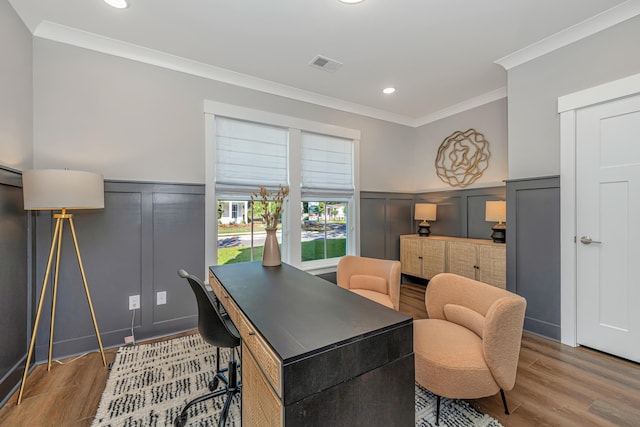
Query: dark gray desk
x=342 y=360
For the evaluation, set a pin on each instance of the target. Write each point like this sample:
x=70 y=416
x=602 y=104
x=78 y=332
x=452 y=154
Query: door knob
x=587 y=240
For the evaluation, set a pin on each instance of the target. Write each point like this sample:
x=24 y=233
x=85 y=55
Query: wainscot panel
x=134 y=246
x=384 y=217
x=15 y=279
x=533 y=251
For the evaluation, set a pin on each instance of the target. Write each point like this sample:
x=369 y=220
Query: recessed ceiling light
x=350 y=1
x=120 y=4
x=388 y=90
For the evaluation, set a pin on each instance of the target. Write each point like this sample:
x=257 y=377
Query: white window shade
x=249 y=155
x=327 y=165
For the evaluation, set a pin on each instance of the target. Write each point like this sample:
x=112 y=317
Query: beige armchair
x=469 y=346
x=376 y=279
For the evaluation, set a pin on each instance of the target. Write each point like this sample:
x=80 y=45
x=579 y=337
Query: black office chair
x=217 y=329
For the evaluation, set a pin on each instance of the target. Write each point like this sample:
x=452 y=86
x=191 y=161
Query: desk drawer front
x=267 y=360
x=269 y=363
x=260 y=406
x=227 y=302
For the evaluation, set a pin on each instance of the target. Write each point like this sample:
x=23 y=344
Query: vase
x=271 y=252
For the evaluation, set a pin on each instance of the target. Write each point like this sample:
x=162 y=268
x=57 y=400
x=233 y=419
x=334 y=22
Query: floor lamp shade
x=51 y=189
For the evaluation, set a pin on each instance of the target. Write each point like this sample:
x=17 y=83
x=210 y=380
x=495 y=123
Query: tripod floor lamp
x=60 y=189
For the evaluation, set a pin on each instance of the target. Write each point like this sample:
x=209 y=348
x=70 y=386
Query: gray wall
x=533 y=251
x=16 y=152
x=134 y=246
x=534 y=88
x=15 y=274
x=16 y=89
x=386 y=216
x=461 y=213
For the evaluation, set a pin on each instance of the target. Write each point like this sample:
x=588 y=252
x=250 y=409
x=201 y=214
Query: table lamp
x=497 y=211
x=60 y=189
x=425 y=212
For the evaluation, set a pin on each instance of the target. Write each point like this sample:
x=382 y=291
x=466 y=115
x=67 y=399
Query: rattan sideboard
x=478 y=259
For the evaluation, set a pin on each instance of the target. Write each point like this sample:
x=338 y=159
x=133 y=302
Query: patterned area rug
x=150 y=383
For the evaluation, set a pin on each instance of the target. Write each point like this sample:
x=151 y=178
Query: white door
x=608 y=227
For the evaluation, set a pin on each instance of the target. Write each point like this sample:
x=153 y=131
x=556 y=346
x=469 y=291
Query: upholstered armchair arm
x=502 y=337
x=394 y=283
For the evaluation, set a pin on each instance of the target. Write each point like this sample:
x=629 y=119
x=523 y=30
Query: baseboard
x=542 y=328
x=10 y=383
x=77 y=346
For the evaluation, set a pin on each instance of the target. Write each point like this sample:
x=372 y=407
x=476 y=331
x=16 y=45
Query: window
x=327 y=190
x=247 y=155
x=248 y=148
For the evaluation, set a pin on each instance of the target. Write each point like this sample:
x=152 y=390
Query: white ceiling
x=439 y=54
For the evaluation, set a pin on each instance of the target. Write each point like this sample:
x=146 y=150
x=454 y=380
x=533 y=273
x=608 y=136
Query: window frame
x=291 y=230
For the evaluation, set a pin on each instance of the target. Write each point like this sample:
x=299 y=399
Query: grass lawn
x=311 y=250
x=314 y=249
x=238 y=254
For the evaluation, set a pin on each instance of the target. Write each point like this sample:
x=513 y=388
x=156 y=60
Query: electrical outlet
x=134 y=302
x=161 y=298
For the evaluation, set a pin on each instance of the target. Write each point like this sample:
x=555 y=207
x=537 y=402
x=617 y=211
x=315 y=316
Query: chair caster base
x=181 y=420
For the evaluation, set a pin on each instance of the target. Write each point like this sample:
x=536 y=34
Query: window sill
x=321 y=266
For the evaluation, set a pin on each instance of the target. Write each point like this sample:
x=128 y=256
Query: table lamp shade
x=496 y=211
x=426 y=211
x=51 y=189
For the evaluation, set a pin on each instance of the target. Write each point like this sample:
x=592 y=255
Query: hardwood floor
x=68 y=395
x=556 y=385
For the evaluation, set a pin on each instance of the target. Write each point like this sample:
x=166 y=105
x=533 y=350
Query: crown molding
x=474 y=102
x=72 y=36
x=586 y=28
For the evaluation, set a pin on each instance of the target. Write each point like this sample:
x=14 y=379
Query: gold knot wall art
x=462 y=158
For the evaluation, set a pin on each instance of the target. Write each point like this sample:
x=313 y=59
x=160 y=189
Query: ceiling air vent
x=326 y=64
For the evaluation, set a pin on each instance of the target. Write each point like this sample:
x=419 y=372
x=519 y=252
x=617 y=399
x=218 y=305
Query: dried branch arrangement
x=270 y=202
